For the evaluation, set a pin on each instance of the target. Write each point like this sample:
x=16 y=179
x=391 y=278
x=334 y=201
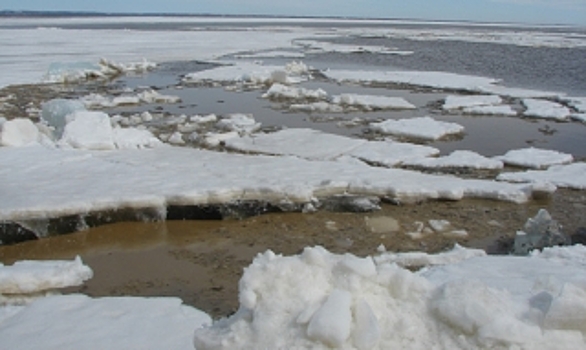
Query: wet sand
x=202 y=261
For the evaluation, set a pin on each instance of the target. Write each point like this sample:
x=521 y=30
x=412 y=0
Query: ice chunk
x=545 y=109
x=35 y=276
x=70 y=72
x=55 y=113
x=372 y=102
x=199 y=119
x=535 y=158
x=152 y=96
x=367 y=333
x=570 y=176
x=458 y=253
x=457 y=159
x=539 y=232
x=88 y=130
x=279 y=91
x=215 y=139
x=439 y=225
x=242 y=123
x=176 y=138
x=331 y=324
x=458 y=102
x=18 y=132
x=422 y=128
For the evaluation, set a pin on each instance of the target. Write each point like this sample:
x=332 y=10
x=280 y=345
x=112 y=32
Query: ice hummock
x=425 y=128
x=535 y=158
x=321 y=300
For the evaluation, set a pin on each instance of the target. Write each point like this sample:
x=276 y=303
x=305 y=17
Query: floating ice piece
x=372 y=102
x=54 y=113
x=422 y=128
x=319 y=107
x=545 y=109
x=176 y=139
x=539 y=232
x=491 y=110
x=88 y=130
x=242 y=123
x=304 y=143
x=279 y=91
x=458 y=101
x=18 y=132
x=25 y=277
x=457 y=159
x=199 y=119
x=390 y=153
x=568 y=176
x=535 y=158
x=152 y=96
x=78 y=322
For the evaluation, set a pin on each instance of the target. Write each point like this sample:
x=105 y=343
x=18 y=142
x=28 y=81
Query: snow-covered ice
x=81 y=322
x=421 y=128
x=458 y=102
x=155 y=178
x=372 y=102
x=28 y=276
x=457 y=159
x=316 y=145
x=570 y=176
x=545 y=109
x=321 y=300
x=535 y=158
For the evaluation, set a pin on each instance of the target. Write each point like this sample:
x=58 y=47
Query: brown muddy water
x=202 y=261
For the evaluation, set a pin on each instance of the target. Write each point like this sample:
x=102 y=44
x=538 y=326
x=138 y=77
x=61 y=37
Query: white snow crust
x=535 y=158
x=154 y=178
x=545 y=109
x=320 y=300
x=80 y=322
x=422 y=128
x=28 y=276
x=457 y=159
x=569 y=176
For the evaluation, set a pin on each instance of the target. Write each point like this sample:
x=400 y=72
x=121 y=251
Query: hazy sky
x=532 y=11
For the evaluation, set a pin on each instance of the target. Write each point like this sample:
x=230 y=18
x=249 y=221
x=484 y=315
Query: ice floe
x=491 y=110
x=372 y=102
x=251 y=73
x=570 y=176
x=390 y=153
x=421 y=128
x=104 y=69
x=545 y=109
x=155 y=178
x=28 y=276
x=458 y=102
x=78 y=322
x=535 y=158
x=457 y=159
x=468 y=300
x=279 y=92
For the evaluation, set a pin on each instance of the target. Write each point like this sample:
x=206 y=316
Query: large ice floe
x=535 y=158
x=545 y=109
x=569 y=176
x=320 y=300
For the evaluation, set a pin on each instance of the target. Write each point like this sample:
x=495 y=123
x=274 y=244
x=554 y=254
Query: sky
x=524 y=11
